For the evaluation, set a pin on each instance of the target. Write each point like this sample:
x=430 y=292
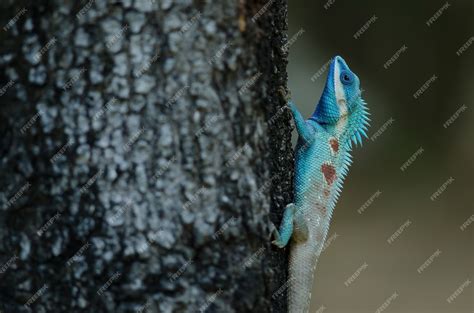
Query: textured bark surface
x=143 y=144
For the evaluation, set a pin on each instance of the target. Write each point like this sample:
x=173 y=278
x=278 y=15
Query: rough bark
x=143 y=144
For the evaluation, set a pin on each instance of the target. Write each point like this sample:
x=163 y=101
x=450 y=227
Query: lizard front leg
x=305 y=132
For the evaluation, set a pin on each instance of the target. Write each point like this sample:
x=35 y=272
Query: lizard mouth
x=339 y=88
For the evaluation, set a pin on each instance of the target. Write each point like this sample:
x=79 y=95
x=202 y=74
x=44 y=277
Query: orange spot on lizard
x=329 y=173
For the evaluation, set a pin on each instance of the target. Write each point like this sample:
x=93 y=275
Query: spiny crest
x=358 y=123
x=344 y=170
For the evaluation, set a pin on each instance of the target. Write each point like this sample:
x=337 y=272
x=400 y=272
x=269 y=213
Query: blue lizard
x=322 y=161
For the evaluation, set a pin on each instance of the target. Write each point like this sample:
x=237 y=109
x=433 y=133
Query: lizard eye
x=346 y=78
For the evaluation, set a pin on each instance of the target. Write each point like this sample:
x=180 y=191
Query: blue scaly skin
x=322 y=161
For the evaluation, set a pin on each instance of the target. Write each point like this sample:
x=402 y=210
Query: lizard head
x=341 y=106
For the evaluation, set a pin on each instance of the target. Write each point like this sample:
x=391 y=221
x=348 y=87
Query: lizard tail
x=303 y=258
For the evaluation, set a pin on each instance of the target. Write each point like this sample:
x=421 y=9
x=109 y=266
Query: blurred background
x=401 y=239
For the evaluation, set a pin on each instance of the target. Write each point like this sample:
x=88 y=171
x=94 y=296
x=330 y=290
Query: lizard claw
x=275 y=234
x=273 y=229
x=278 y=244
x=286 y=95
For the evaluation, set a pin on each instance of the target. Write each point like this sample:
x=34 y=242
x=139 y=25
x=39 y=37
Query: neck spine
x=348 y=129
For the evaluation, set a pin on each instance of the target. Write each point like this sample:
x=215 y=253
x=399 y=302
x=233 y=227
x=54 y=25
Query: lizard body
x=322 y=160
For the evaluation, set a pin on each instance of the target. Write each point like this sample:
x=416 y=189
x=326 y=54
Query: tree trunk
x=143 y=145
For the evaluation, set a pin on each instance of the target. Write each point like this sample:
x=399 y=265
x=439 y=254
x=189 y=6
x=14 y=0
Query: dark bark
x=143 y=145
